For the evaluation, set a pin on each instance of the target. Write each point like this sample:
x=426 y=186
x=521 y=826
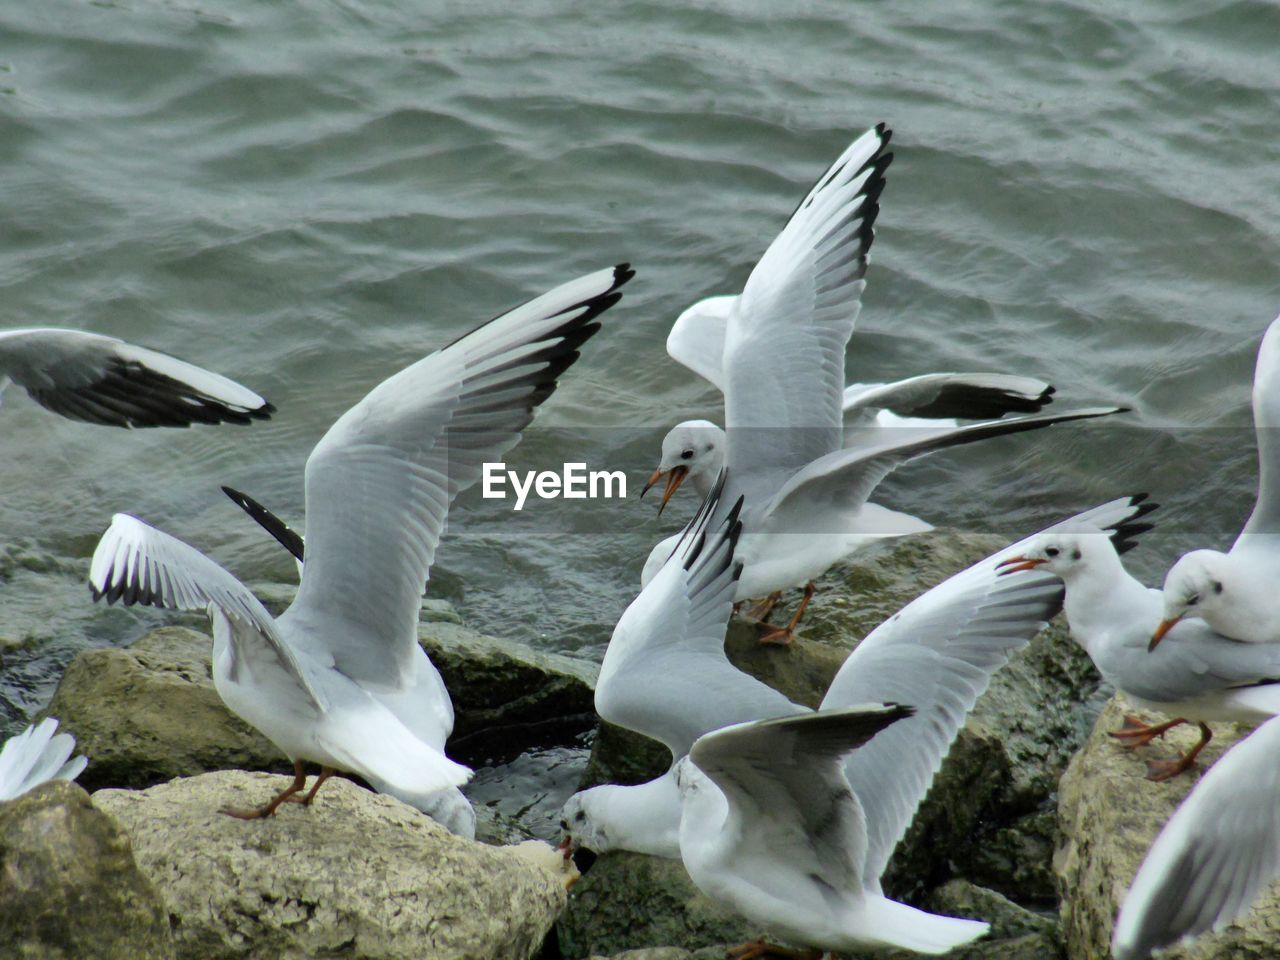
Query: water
x=308 y=196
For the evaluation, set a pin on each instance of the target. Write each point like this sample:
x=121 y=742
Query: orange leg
x=1135 y=733
x=759 y=949
x=325 y=774
x=299 y=781
x=782 y=635
x=765 y=607
x=1165 y=769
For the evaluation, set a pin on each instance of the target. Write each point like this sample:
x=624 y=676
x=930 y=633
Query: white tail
x=898 y=925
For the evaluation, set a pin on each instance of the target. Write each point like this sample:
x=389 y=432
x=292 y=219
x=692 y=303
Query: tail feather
x=898 y=925
x=392 y=755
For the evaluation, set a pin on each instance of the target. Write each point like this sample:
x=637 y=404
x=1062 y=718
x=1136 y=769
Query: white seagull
x=450 y=806
x=36 y=756
x=1193 y=674
x=1235 y=592
x=339 y=677
x=782 y=373
x=1214 y=856
x=100 y=379
x=773 y=827
x=665 y=675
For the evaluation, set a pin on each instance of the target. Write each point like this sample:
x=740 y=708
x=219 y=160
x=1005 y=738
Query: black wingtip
x=1124 y=537
x=622 y=272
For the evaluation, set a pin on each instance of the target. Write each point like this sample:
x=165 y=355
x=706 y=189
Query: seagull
x=773 y=827
x=448 y=807
x=36 y=756
x=1193 y=675
x=782 y=373
x=100 y=379
x=1234 y=592
x=665 y=675
x=1214 y=856
x=339 y=678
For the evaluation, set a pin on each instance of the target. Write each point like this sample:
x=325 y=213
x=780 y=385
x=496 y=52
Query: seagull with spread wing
x=339 y=678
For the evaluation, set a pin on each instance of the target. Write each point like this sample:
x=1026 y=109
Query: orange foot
x=782 y=635
x=1135 y=733
x=1167 y=769
x=759 y=948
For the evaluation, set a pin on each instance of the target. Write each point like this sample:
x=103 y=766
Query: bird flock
x=786 y=814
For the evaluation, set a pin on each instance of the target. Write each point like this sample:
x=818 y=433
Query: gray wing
x=98 y=379
x=846 y=478
x=1266 y=421
x=380 y=481
x=696 y=339
x=138 y=564
x=941 y=396
x=786 y=335
x=1214 y=856
x=939 y=653
x=1197 y=661
x=665 y=674
x=784 y=780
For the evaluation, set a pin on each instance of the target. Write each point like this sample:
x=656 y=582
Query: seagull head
x=1061 y=554
x=583 y=837
x=1194 y=586
x=693 y=450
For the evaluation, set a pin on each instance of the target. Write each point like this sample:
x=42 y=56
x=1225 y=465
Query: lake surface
x=309 y=196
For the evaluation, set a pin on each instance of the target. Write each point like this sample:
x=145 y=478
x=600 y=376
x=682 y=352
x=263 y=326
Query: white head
x=1064 y=553
x=581 y=826
x=692 y=450
x=1195 y=586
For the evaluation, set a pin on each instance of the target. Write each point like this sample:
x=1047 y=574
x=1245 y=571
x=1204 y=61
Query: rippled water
x=307 y=196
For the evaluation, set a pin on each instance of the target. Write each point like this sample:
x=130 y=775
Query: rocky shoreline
x=1033 y=823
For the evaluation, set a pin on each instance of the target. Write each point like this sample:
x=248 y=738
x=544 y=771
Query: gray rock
x=960 y=898
x=988 y=815
x=69 y=886
x=1110 y=815
x=149 y=713
x=356 y=875
x=669 y=953
x=629 y=901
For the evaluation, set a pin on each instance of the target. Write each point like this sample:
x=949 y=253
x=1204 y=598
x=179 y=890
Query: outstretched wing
x=1265 y=518
x=98 y=379
x=939 y=653
x=789 y=799
x=35 y=756
x=665 y=673
x=941 y=396
x=1214 y=856
x=786 y=335
x=138 y=564
x=380 y=482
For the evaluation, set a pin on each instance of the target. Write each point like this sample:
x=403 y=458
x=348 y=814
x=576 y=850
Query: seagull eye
x=580 y=815
x=1193 y=600
x=1076 y=554
x=564 y=825
x=686 y=455
x=1217 y=587
x=1052 y=552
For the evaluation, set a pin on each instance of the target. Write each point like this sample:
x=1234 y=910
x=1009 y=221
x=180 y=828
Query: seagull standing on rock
x=339 y=678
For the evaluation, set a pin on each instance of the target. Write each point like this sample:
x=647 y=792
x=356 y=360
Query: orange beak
x=1165 y=627
x=675 y=477
x=1018 y=564
x=566 y=847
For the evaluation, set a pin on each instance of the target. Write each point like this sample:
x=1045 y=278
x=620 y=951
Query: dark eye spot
x=1193 y=600
x=564 y=825
x=580 y=815
x=1076 y=554
x=1052 y=552
x=1217 y=587
x=686 y=455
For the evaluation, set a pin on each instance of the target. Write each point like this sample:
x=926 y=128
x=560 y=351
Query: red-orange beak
x=1165 y=627
x=566 y=847
x=675 y=477
x=1018 y=564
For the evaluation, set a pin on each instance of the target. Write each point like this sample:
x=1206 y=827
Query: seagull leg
x=325 y=774
x=1135 y=733
x=1165 y=769
x=782 y=635
x=299 y=781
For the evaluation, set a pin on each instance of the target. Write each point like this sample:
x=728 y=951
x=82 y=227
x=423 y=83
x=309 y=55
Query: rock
x=668 y=953
x=1110 y=815
x=69 y=886
x=356 y=875
x=960 y=898
x=508 y=697
x=988 y=815
x=149 y=713
x=629 y=901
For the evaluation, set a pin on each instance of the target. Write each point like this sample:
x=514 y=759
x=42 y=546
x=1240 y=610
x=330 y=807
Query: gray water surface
x=308 y=196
